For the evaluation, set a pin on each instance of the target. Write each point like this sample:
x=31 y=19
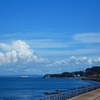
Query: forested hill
x=94 y=71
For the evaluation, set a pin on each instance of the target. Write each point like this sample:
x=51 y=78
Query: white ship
x=24 y=76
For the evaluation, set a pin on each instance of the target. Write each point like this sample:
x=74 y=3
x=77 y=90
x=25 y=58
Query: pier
x=71 y=94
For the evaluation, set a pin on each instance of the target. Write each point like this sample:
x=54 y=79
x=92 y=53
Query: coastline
x=91 y=92
x=91 y=95
x=91 y=78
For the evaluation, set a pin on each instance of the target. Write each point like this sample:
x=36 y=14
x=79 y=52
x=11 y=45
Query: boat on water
x=23 y=76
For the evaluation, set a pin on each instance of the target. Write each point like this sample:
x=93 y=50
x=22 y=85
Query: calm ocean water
x=15 y=88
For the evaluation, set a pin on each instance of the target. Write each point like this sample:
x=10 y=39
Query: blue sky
x=48 y=36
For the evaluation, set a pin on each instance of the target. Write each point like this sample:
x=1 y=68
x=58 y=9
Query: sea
x=16 y=88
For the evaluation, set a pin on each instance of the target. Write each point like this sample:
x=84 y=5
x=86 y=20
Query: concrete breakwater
x=67 y=95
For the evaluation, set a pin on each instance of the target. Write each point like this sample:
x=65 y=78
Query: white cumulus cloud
x=4 y=46
x=19 y=58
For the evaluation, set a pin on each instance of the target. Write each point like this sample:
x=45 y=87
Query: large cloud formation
x=18 y=58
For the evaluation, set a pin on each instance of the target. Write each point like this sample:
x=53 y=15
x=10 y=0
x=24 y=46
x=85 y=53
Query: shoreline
x=72 y=95
x=92 y=79
x=91 y=95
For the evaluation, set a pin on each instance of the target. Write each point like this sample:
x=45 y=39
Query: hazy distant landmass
x=93 y=73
